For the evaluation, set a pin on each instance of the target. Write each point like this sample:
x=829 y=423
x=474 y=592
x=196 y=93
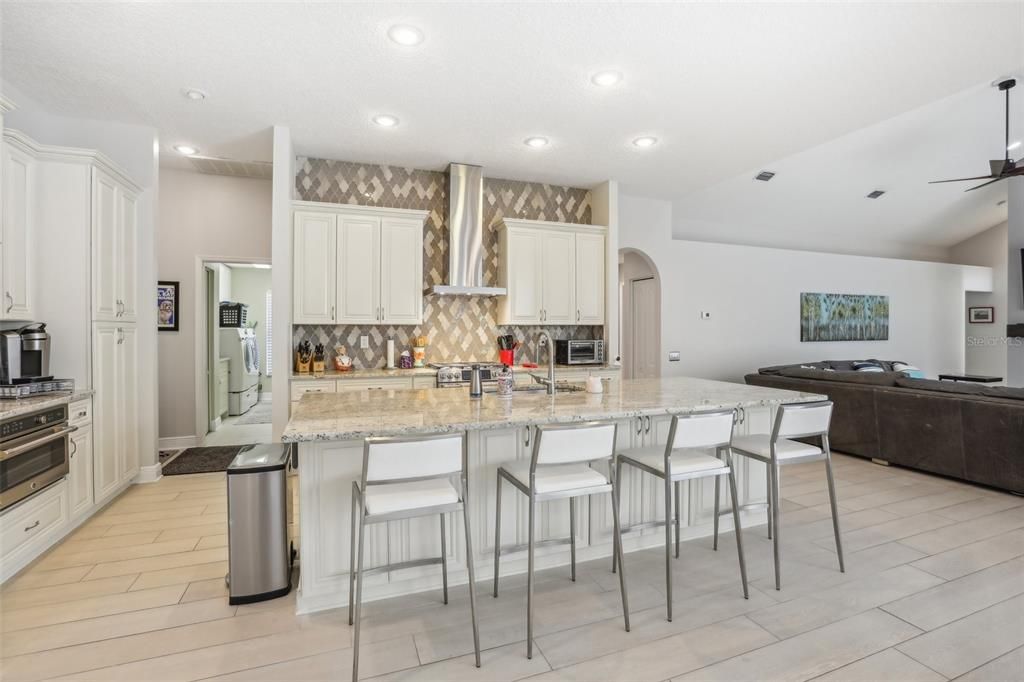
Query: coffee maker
x=25 y=354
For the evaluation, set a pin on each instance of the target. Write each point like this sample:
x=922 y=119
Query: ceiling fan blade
x=996 y=166
x=982 y=185
x=980 y=177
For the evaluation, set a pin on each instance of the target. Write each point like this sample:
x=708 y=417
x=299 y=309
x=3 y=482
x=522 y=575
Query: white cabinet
x=80 y=473
x=16 y=239
x=554 y=273
x=115 y=375
x=114 y=245
x=221 y=387
x=357 y=265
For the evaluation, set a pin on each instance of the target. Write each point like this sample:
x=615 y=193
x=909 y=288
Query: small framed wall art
x=167 y=306
x=981 y=315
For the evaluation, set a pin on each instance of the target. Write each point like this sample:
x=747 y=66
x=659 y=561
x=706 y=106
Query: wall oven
x=34 y=452
x=579 y=352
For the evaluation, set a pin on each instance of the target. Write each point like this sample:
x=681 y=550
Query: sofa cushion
x=863 y=378
x=778 y=370
x=907 y=370
x=867 y=366
x=1004 y=392
x=961 y=388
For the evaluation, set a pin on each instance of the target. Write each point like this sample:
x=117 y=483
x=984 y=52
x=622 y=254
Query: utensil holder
x=506 y=357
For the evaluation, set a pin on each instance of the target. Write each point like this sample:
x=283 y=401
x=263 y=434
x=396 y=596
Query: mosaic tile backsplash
x=460 y=328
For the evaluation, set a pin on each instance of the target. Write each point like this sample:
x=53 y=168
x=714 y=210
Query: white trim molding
x=178 y=442
x=47 y=152
x=148 y=474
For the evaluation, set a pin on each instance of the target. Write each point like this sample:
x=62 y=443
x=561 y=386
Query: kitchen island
x=330 y=427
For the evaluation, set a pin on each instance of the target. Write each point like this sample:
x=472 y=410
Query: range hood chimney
x=466 y=234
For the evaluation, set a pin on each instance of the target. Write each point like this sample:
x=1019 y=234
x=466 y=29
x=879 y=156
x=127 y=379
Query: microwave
x=579 y=352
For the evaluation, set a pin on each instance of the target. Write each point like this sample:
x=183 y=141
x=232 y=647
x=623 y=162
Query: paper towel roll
x=391 y=353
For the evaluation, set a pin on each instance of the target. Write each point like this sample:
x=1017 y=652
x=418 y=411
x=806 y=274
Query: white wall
x=209 y=217
x=753 y=295
x=250 y=286
x=986 y=351
x=283 y=183
x=1014 y=295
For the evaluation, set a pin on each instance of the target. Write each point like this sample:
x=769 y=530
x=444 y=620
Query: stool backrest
x=803 y=419
x=701 y=430
x=568 y=443
x=393 y=459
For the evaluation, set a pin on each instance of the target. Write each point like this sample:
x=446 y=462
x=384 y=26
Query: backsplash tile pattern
x=459 y=328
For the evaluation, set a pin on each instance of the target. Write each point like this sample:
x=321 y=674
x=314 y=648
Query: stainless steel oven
x=33 y=452
x=579 y=352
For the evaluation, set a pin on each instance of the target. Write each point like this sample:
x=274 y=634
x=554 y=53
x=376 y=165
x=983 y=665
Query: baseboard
x=177 y=442
x=148 y=474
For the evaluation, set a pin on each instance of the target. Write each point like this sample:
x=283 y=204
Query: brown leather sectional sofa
x=972 y=432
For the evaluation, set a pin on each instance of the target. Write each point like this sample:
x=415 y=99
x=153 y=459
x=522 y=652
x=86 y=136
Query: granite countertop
x=14 y=408
x=375 y=373
x=357 y=415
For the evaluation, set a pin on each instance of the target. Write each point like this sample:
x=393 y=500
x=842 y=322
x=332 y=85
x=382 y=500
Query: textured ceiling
x=726 y=88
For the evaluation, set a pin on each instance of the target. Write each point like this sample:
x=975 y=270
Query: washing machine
x=239 y=347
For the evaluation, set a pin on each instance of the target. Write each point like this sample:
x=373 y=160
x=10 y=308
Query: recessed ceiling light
x=405 y=35
x=536 y=142
x=645 y=141
x=187 y=150
x=194 y=95
x=765 y=176
x=874 y=194
x=606 y=78
x=1013 y=145
x=385 y=121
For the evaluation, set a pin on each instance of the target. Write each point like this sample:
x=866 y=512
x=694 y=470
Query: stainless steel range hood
x=466 y=234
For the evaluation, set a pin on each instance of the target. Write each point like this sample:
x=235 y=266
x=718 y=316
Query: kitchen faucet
x=545 y=338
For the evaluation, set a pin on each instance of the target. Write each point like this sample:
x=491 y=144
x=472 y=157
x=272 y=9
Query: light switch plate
x=705 y=315
x=673 y=356
x=364 y=342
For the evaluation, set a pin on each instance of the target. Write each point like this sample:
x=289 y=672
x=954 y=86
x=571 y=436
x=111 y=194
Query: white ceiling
x=726 y=89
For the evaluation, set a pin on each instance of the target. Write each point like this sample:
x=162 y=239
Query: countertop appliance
x=24 y=354
x=579 y=352
x=260 y=551
x=460 y=374
x=239 y=347
x=34 y=452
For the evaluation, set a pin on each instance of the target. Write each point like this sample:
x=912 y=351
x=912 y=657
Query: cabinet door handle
x=28 y=528
x=10 y=298
x=74 y=445
x=647 y=429
x=639 y=425
x=332 y=313
x=382 y=313
x=526 y=439
x=577 y=316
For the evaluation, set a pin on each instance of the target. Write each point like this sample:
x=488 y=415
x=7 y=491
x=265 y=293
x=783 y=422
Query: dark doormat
x=201 y=460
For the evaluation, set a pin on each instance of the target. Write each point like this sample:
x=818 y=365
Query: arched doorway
x=639 y=315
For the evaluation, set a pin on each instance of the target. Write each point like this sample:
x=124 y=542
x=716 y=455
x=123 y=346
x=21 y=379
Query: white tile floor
x=233 y=433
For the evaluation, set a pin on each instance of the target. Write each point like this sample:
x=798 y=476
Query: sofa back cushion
x=863 y=378
x=1004 y=392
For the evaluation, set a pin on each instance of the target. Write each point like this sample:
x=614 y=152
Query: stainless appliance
x=25 y=354
x=260 y=551
x=33 y=452
x=460 y=374
x=476 y=388
x=579 y=352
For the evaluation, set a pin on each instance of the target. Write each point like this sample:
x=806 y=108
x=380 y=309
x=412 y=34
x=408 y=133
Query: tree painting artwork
x=844 y=317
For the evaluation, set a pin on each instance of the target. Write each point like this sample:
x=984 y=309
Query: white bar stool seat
x=555 y=479
x=760 y=446
x=387 y=499
x=684 y=460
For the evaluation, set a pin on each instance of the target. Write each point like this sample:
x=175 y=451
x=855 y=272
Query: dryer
x=239 y=347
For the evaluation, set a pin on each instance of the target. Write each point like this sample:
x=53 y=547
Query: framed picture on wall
x=981 y=315
x=167 y=306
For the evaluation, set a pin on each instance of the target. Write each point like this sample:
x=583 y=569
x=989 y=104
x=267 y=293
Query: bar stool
x=559 y=468
x=406 y=478
x=686 y=456
x=804 y=420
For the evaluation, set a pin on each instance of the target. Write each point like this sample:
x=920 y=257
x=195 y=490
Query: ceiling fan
x=1001 y=168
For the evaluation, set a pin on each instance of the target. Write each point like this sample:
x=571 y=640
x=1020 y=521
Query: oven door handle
x=21 y=449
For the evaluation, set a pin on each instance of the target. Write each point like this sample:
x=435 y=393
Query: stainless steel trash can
x=259 y=548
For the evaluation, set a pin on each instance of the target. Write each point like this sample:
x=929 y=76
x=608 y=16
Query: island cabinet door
x=489 y=449
x=628 y=436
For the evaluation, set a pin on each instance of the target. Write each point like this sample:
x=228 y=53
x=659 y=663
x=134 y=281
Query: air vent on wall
x=764 y=176
x=212 y=165
x=876 y=193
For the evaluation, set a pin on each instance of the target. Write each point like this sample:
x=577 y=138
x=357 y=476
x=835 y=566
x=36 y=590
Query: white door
x=104 y=246
x=643 y=344
x=17 y=217
x=523 y=277
x=358 y=261
x=558 y=276
x=128 y=398
x=80 y=474
x=314 y=268
x=105 y=352
x=401 y=271
x=590 y=278
x=127 y=233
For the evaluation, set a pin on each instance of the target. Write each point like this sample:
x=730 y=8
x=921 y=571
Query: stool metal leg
x=679 y=498
x=352 y=555
x=529 y=583
x=776 y=503
x=572 y=538
x=444 y=562
x=359 y=595
x=835 y=510
x=768 y=486
x=668 y=545
x=497 y=533
x=617 y=551
x=470 y=560
x=612 y=478
x=737 y=530
x=615 y=486
x=718 y=480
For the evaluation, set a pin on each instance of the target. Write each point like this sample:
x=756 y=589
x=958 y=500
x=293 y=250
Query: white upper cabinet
x=313 y=275
x=357 y=264
x=114 y=244
x=590 y=279
x=16 y=238
x=554 y=273
x=127 y=248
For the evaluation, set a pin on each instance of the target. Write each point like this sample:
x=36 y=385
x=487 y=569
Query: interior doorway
x=640 y=315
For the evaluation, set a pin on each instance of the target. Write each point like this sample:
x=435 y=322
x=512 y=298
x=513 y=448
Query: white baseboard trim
x=148 y=474
x=176 y=442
